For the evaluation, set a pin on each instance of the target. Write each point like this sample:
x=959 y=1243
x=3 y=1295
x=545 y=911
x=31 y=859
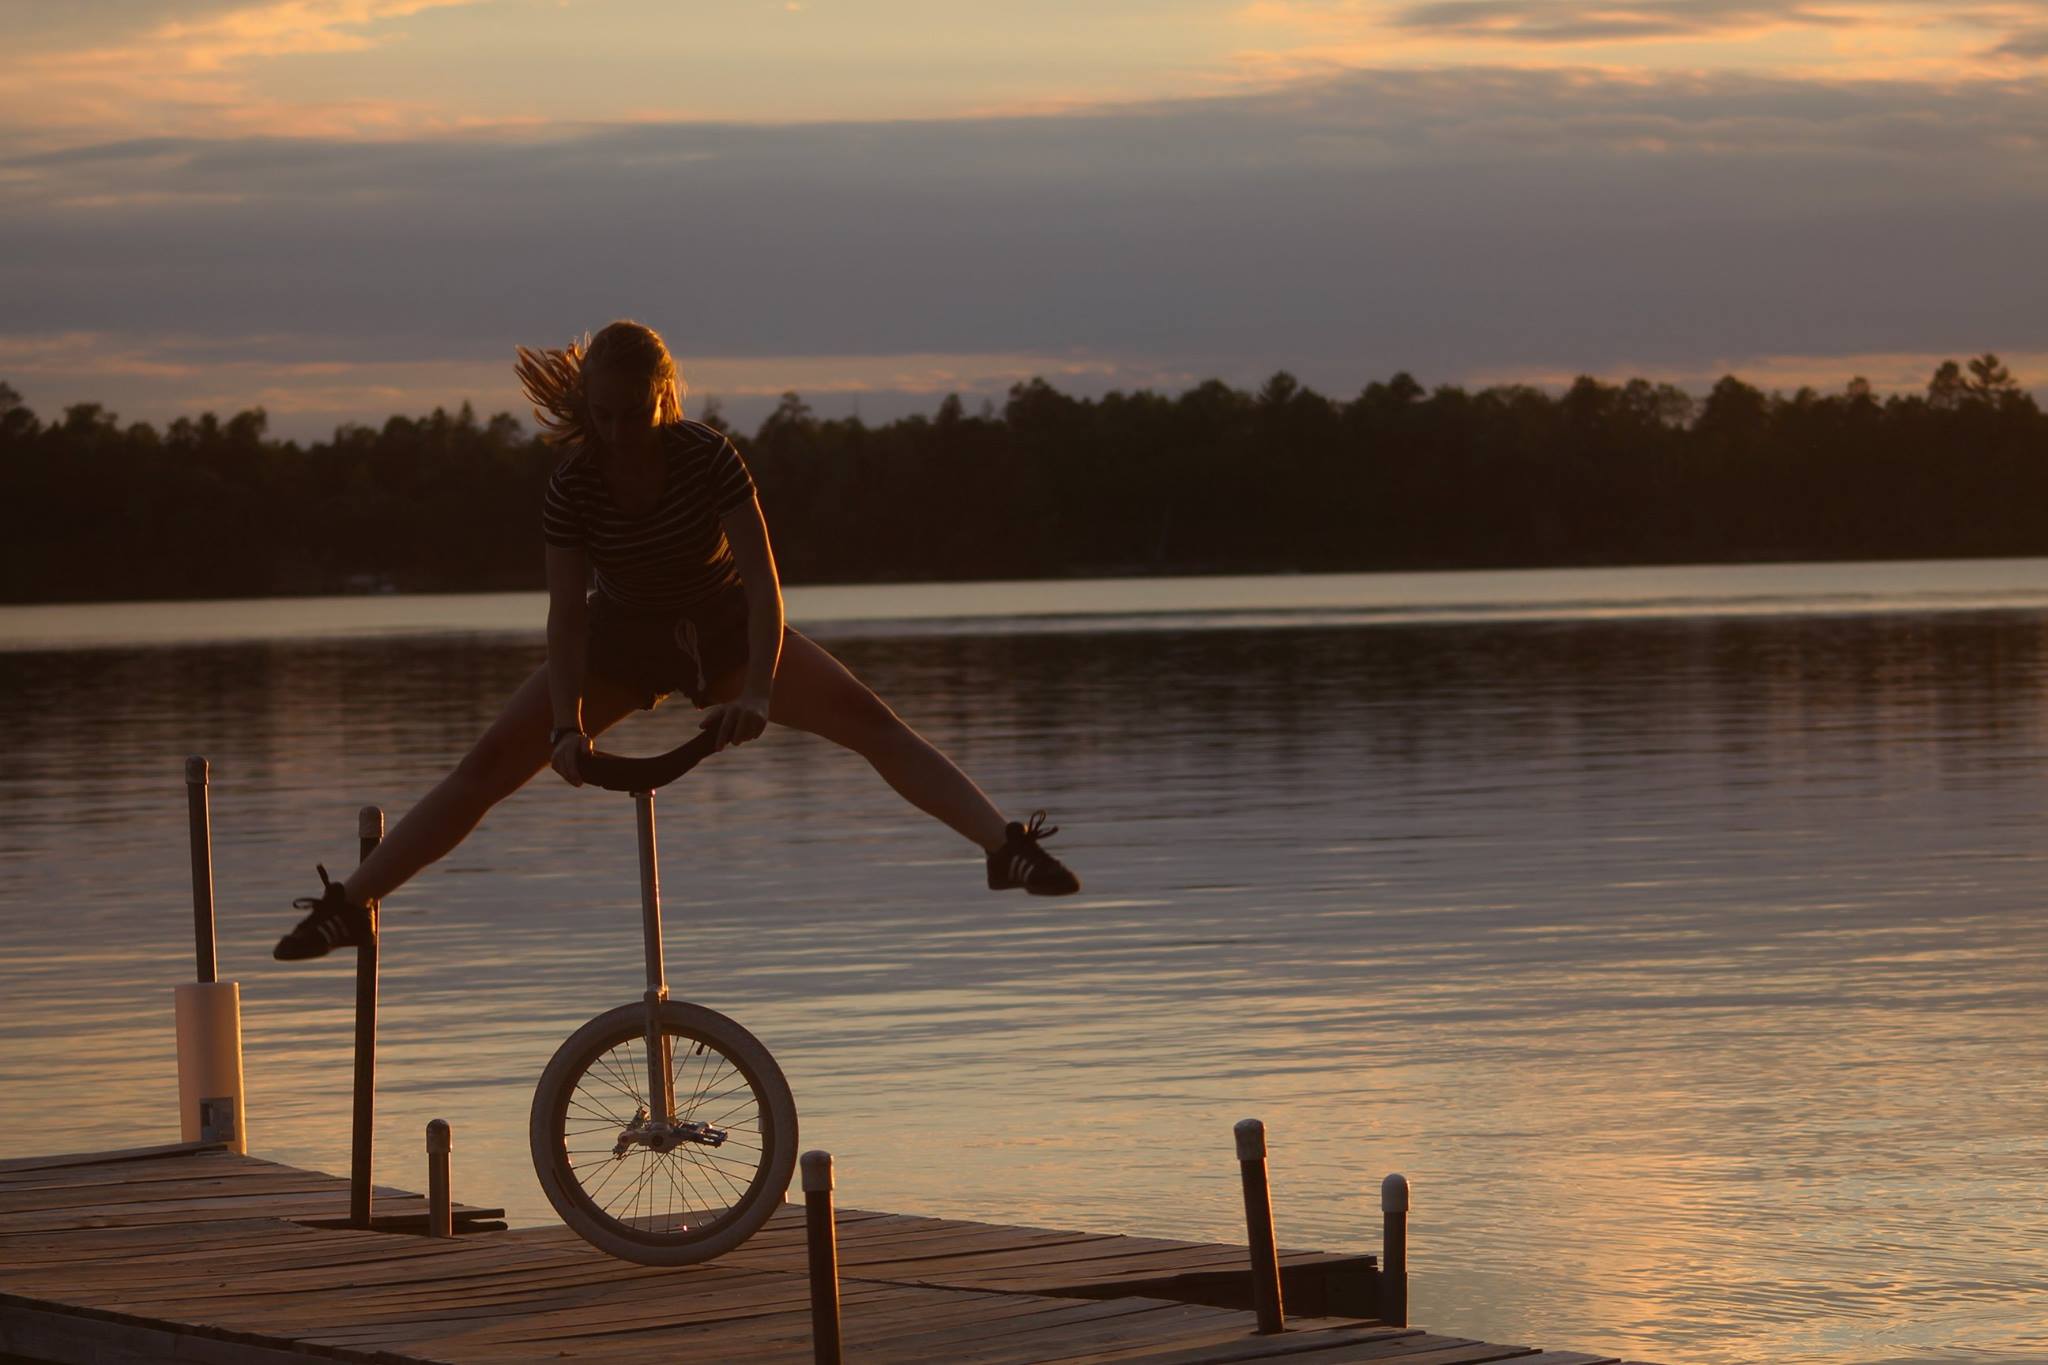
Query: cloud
x=1451 y=221
x=145 y=66
x=2028 y=44
x=308 y=384
x=1548 y=21
x=1789 y=38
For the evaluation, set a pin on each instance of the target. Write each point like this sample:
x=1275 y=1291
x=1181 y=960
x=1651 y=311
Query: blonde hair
x=553 y=379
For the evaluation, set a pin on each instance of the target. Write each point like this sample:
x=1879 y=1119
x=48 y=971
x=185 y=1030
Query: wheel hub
x=658 y=1136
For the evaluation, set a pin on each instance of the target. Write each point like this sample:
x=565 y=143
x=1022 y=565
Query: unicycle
x=662 y=1132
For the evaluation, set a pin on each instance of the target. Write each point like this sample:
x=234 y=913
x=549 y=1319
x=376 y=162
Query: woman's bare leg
x=815 y=692
x=503 y=761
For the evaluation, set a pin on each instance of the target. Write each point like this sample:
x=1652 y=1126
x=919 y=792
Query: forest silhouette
x=1212 y=480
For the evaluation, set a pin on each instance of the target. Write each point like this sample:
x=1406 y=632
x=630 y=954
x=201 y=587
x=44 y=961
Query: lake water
x=1677 y=932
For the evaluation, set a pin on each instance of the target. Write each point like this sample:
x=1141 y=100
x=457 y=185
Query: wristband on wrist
x=562 y=732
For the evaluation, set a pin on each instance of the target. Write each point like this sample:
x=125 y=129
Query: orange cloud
x=191 y=77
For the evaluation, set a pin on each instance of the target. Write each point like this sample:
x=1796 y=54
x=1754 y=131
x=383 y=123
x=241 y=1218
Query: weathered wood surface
x=191 y=1254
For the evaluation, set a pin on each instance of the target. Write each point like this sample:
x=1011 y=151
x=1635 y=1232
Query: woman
x=661 y=513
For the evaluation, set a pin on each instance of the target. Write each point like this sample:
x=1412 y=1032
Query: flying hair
x=553 y=379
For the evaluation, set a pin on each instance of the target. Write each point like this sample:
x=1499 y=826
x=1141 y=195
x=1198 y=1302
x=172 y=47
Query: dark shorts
x=648 y=655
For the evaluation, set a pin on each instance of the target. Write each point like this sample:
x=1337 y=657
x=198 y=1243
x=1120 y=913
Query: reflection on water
x=1119 y=604
x=1690 y=968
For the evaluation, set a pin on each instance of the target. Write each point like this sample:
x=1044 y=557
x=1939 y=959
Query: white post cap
x=1394 y=1194
x=817 y=1172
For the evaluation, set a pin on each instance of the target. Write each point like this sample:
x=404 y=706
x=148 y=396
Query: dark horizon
x=1211 y=480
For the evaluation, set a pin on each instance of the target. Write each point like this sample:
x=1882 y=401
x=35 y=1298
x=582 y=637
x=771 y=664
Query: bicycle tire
x=619 y=1230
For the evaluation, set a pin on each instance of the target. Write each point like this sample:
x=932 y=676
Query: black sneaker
x=1021 y=862
x=331 y=922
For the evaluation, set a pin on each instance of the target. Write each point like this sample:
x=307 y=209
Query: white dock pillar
x=209 y=1010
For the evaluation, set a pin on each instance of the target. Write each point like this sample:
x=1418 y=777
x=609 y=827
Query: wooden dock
x=193 y=1253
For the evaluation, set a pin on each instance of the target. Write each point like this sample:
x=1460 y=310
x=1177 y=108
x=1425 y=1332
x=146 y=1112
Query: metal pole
x=370 y=832
x=440 y=1208
x=1394 y=1251
x=661 y=1100
x=822 y=1238
x=1258 y=1223
x=202 y=868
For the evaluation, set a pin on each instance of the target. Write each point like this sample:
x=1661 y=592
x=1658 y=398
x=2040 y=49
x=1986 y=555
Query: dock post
x=196 y=772
x=1394 y=1250
x=440 y=1207
x=822 y=1238
x=370 y=833
x=1258 y=1223
x=211 y=1106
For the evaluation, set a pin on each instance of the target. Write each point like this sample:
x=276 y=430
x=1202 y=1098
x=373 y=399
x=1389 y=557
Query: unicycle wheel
x=663 y=1192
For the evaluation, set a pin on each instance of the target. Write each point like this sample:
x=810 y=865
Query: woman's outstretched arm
x=745 y=718
x=568 y=641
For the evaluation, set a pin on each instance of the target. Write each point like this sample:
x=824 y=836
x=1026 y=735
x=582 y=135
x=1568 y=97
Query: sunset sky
x=341 y=209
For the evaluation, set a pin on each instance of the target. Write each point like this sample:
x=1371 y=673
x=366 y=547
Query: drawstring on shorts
x=686 y=640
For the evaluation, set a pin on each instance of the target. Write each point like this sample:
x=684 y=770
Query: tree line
x=1214 y=479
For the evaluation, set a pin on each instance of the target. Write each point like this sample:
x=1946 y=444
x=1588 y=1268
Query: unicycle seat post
x=658 y=1088
x=650 y=895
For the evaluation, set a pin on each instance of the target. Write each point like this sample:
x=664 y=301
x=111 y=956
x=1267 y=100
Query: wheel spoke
x=739 y=1191
x=708 y=1206
x=621 y=1072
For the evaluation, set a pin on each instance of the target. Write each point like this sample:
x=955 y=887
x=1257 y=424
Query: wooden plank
x=772 y=1294
x=1062 y=1325
x=586 y=1294
x=746 y=1340
x=629 y=1330
x=67 y=1338
x=1470 y=1353
x=1151 y=1321
x=243 y=1256
x=242 y=1260
x=1327 y=1289
x=1425 y=1349
x=257 y=1300
x=201 y=1211
x=861 y=1240
x=42 y=1250
x=1009 y=1315
x=192 y=1167
x=951 y=1247
x=1019 y=1276
x=141 y=1174
x=257 y=1293
x=1073 y=1263
x=639 y=1316
x=516 y=1282
x=53 y=1161
x=1239 y=1332
x=142 y=1196
x=931 y=1316
x=783 y=1236
x=407 y=1260
x=1313 y=1343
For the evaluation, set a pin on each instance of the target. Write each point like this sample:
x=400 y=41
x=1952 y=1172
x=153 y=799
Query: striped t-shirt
x=677 y=554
